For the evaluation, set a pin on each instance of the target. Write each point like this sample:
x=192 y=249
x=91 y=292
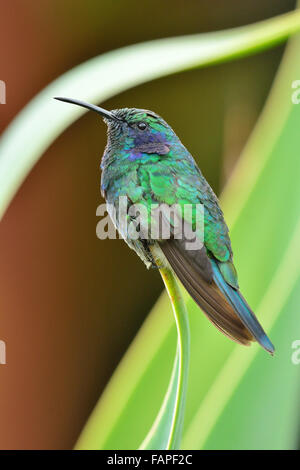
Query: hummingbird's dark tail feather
x=224 y=306
x=242 y=309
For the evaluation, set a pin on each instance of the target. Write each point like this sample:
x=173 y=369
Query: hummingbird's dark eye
x=142 y=125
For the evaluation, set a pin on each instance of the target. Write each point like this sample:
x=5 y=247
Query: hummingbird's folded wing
x=223 y=304
x=194 y=270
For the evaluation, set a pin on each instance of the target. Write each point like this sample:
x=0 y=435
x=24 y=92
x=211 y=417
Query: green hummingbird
x=145 y=162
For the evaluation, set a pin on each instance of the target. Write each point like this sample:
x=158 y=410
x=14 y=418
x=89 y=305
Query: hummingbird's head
x=139 y=132
x=134 y=132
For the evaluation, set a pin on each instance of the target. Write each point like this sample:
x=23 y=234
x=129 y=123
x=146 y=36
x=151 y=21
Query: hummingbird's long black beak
x=103 y=112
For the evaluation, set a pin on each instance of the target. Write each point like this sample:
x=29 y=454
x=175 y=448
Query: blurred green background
x=70 y=304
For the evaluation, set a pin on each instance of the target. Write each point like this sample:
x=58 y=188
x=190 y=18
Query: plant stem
x=166 y=431
x=183 y=353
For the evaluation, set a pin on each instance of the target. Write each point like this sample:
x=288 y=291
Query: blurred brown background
x=69 y=303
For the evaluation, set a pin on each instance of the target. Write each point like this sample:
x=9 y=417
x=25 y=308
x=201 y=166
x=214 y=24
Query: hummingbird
x=145 y=161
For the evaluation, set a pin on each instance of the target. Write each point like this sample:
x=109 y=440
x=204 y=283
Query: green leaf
x=259 y=395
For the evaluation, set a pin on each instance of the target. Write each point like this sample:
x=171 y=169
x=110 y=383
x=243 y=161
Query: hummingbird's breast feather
x=169 y=180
